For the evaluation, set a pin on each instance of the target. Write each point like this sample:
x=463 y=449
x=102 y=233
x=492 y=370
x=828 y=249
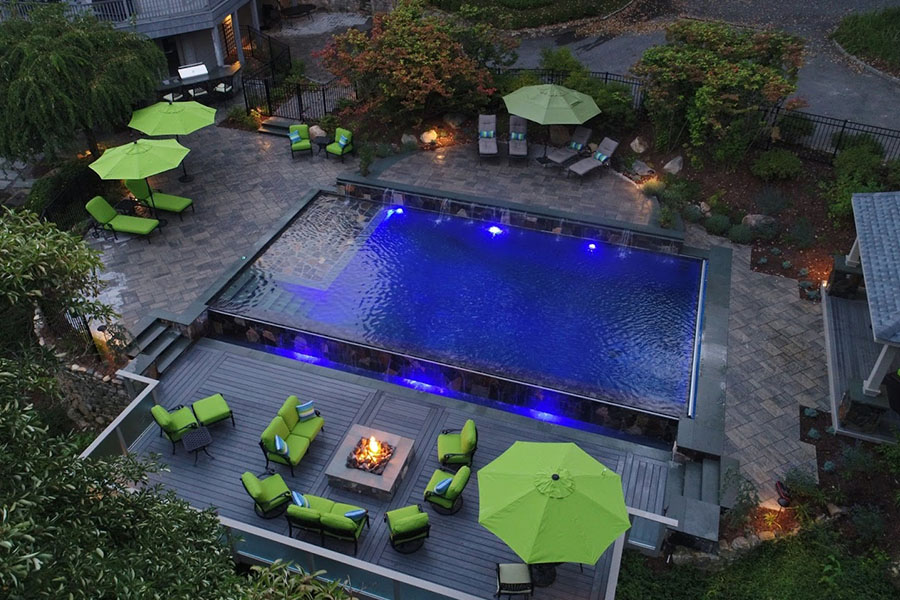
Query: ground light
x=494 y=230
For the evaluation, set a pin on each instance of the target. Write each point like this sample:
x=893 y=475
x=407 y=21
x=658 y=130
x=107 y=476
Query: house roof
x=877 y=219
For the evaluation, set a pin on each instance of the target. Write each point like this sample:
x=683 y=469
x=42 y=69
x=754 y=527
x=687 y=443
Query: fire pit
x=370 y=455
x=359 y=466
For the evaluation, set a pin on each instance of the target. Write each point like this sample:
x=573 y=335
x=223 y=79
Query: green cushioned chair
x=309 y=428
x=326 y=518
x=270 y=495
x=297 y=444
x=305 y=144
x=107 y=218
x=212 y=409
x=173 y=424
x=408 y=528
x=156 y=199
x=335 y=146
x=457 y=446
x=450 y=501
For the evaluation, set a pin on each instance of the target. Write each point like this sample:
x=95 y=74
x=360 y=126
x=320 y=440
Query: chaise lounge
x=157 y=200
x=487 y=136
x=518 y=138
x=600 y=158
x=108 y=219
x=574 y=148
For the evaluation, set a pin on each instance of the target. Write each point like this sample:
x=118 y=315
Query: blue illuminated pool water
x=610 y=322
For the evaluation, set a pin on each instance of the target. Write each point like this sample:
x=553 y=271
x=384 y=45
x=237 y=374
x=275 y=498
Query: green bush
x=717 y=224
x=679 y=191
x=777 y=164
x=508 y=83
x=872 y=36
x=740 y=234
x=771 y=201
x=614 y=100
x=802 y=234
x=766 y=232
x=666 y=217
x=71 y=185
x=892 y=175
x=524 y=4
x=890 y=455
x=692 y=213
x=559 y=60
x=794 y=127
x=843 y=141
x=857 y=170
x=856 y=460
x=868 y=521
x=732 y=146
x=746 y=499
x=366 y=156
x=653 y=187
x=238 y=117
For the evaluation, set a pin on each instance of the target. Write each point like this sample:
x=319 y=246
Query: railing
x=113 y=11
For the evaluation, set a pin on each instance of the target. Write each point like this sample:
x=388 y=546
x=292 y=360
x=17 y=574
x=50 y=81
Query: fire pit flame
x=370 y=455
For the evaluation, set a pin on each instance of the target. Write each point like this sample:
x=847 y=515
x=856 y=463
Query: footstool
x=212 y=409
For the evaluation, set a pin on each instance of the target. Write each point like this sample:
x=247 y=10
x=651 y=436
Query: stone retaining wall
x=92 y=399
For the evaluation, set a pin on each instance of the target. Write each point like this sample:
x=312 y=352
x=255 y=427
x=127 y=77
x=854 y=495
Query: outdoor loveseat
x=288 y=436
x=327 y=518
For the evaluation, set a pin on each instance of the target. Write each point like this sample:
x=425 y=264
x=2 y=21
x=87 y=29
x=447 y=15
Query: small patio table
x=197 y=440
x=322 y=141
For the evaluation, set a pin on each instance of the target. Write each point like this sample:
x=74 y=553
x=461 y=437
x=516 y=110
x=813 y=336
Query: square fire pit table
x=380 y=486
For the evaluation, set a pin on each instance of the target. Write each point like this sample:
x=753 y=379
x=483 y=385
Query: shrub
x=508 y=83
x=890 y=455
x=859 y=162
x=715 y=203
x=856 y=460
x=366 y=156
x=679 y=191
x=614 y=100
x=802 y=234
x=868 y=521
x=777 y=164
x=857 y=170
x=238 y=117
x=872 y=36
x=560 y=60
x=666 y=217
x=793 y=128
x=740 y=234
x=717 y=224
x=653 y=187
x=891 y=177
x=692 y=213
x=843 y=141
x=733 y=143
x=746 y=498
x=73 y=183
x=767 y=232
x=771 y=201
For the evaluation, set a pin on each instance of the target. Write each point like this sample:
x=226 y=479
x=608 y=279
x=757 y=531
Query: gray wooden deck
x=460 y=554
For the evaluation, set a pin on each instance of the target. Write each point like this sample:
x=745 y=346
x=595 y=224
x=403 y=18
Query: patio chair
x=270 y=495
x=174 y=424
x=342 y=144
x=600 y=158
x=107 y=218
x=408 y=527
x=157 y=200
x=212 y=409
x=450 y=500
x=514 y=579
x=576 y=147
x=518 y=141
x=457 y=446
x=299 y=138
x=295 y=445
x=487 y=136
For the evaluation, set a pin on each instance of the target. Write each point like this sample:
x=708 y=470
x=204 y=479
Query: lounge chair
x=156 y=199
x=518 y=141
x=271 y=495
x=487 y=136
x=107 y=218
x=174 y=424
x=408 y=527
x=448 y=500
x=299 y=138
x=342 y=144
x=600 y=158
x=457 y=446
x=574 y=148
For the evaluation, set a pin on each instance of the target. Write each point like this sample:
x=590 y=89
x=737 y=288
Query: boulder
x=681 y=556
x=428 y=136
x=724 y=546
x=766 y=536
x=705 y=209
x=755 y=221
x=740 y=543
x=316 y=131
x=642 y=168
x=638 y=145
x=834 y=510
x=454 y=120
x=674 y=166
x=559 y=135
x=408 y=139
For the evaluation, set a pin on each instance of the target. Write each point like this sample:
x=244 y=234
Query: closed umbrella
x=551 y=105
x=552 y=503
x=173 y=118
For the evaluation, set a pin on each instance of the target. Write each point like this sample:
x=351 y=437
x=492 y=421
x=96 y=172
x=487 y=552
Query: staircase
x=156 y=348
x=695 y=495
x=276 y=126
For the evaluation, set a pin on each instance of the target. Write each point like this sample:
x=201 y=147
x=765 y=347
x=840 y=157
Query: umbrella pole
x=185 y=178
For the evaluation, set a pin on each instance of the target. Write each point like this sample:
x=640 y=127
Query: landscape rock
x=755 y=221
x=766 y=536
x=454 y=120
x=408 y=139
x=740 y=543
x=316 y=131
x=705 y=209
x=674 y=166
x=834 y=510
x=429 y=136
x=681 y=556
x=638 y=145
x=642 y=168
x=753 y=540
x=724 y=546
x=559 y=135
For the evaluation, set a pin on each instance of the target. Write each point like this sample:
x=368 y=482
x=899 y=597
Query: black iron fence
x=558 y=77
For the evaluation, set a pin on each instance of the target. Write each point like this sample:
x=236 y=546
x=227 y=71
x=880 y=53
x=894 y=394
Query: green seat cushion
x=340 y=508
x=468 y=437
x=307 y=516
x=340 y=523
x=448 y=443
x=252 y=483
x=335 y=148
x=445 y=500
x=408 y=525
x=161 y=416
x=402 y=513
x=288 y=411
x=323 y=505
x=297 y=444
x=438 y=477
x=135 y=225
x=459 y=482
x=211 y=409
x=169 y=203
x=304 y=144
x=309 y=428
x=172 y=422
x=273 y=486
x=100 y=209
x=297 y=447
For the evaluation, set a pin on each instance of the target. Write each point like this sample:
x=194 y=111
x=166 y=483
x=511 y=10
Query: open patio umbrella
x=139 y=159
x=173 y=118
x=549 y=104
x=552 y=503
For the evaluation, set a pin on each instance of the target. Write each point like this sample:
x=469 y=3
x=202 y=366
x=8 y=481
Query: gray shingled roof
x=878 y=230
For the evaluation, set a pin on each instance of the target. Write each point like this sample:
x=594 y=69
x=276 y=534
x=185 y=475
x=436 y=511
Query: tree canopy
x=67 y=75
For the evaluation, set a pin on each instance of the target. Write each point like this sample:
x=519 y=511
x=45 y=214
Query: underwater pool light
x=494 y=230
x=399 y=210
x=592 y=247
x=393 y=211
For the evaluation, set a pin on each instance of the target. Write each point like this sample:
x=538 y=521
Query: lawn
x=873 y=37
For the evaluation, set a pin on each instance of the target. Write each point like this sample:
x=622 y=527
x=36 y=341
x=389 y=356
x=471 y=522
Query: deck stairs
x=696 y=492
x=156 y=348
x=276 y=126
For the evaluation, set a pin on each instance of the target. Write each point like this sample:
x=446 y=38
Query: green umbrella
x=551 y=105
x=173 y=118
x=552 y=503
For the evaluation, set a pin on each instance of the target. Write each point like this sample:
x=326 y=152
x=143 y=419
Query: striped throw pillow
x=281 y=447
x=442 y=487
x=306 y=411
x=576 y=146
x=300 y=500
x=357 y=515
x=295 y=137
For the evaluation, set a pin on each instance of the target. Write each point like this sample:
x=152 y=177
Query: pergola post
x=872 y=385
x=852 y=258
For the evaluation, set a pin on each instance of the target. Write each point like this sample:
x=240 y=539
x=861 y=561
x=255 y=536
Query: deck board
x=255 y=385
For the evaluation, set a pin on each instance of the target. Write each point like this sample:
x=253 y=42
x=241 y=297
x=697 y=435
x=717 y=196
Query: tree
x=409 y=66
x=710 y=80
x=63 y=75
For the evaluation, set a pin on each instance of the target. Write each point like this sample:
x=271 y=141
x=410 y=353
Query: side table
x=321 y=142
x=197 y=440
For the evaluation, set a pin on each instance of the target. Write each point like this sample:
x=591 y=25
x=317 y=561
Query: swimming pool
x=580 y=316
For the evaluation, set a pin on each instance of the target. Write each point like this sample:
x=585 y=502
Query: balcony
x=119 y=12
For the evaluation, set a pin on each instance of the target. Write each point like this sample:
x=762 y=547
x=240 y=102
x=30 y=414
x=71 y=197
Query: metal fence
x=558 y=77
x=118 y=12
